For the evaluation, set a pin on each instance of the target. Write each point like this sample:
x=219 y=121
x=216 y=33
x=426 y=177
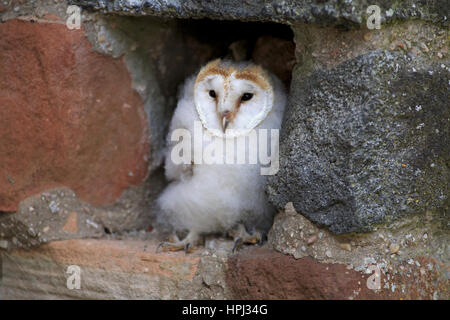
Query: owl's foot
x=174 y=244
x=241 y=236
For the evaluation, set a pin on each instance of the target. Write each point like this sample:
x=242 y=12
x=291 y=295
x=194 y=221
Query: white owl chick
x=205 y=197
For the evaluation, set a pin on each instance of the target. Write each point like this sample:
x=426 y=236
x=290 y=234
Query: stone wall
x=364 y=154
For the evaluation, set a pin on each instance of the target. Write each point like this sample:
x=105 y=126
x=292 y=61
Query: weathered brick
x=68 y=117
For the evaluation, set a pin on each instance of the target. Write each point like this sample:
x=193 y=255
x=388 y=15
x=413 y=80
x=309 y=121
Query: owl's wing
x=183 y=118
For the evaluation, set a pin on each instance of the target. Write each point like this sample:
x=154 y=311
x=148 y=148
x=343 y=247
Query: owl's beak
x=225 y=123
x=226 y=118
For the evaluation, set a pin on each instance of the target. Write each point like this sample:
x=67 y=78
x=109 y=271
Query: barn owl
x=224 y=101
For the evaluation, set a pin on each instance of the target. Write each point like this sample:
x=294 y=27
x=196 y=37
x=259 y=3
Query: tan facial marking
x=226 y=88
x=213 y=68
x=260 y=81
x=238 y=104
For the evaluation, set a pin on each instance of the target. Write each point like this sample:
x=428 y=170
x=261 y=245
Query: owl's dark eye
x=212 y=93
x=246 y=96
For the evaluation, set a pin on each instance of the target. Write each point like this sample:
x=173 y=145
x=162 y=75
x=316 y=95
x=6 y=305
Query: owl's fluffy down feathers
x=213 y=198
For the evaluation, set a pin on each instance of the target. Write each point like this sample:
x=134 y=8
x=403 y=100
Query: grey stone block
x=366 y=142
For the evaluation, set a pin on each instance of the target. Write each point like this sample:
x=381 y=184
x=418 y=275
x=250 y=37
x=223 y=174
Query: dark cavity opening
x=270 y=45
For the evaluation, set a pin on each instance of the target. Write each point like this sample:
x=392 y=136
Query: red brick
x=261 y=273
x=267 y=274
x=62 y=117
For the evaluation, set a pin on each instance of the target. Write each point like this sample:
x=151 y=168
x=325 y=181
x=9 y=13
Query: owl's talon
x=253 y=239
x=237 y=244
x=186 y=248
x=261 y=239
x=174 y=244
x=241 y=236
x=169 y=246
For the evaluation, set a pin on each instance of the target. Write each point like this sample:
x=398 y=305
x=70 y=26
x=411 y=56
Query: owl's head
x=236 y=96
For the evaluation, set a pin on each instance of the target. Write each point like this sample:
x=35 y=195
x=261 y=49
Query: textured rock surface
x=277 y=55
x=265 y=274
x=411 y=256
x=69 y=117
x=329 y=12
x=295 y=235
x=129 y=268
x=59 y=214
x=52 y=215
x=366 y=139
x=110 y=269
x=366 y=143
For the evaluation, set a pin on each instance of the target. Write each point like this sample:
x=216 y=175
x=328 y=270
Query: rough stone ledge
x=131 y=269
x=411 y=255
x=323 y=12
x=110 y=269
